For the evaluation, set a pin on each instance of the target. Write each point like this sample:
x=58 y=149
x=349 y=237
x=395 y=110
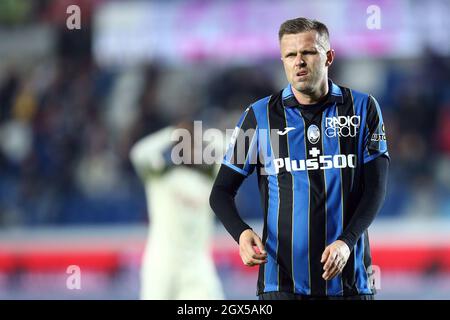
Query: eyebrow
x=309 y=50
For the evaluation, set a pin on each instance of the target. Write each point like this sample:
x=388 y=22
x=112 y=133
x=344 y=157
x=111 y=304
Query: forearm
x=222 y=201
x=375 y=182
x=147 y=154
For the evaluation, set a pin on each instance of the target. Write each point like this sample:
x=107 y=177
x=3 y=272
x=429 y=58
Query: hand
x=185 y=123
x=251 y=249
x=335 y=257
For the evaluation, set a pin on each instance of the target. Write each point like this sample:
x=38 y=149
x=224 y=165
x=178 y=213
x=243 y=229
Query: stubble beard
x=310 y=86
x=305 y=87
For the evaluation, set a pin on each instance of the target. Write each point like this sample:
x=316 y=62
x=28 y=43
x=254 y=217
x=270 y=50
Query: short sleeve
x=375 y=143
x=242 y=152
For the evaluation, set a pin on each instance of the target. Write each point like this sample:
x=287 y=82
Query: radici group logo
x=342 y=126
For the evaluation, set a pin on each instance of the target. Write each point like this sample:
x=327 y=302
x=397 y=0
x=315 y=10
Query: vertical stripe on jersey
x=268 y=273
x=334 y=213
x=362 y=279
x=316 y=213
x=263 y=184
x=277 y=122
x=368 y=262
x=300 y=224
x=373 y=123
x=361 y=135
x=271 y=245
x=347 y=145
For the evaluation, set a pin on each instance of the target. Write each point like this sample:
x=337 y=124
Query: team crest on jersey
x=313 y=134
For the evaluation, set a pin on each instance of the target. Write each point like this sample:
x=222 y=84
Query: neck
x=313 y=97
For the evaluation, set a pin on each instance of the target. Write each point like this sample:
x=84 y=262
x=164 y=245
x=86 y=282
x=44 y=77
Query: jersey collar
x=335 y=95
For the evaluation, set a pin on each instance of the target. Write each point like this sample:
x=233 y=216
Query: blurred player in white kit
x=177 y=262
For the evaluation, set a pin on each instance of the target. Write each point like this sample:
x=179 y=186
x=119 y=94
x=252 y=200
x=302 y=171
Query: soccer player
x=320 y=153
x=176 y=263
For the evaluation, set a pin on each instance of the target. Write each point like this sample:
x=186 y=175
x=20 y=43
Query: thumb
x=325 y=254
x=259 y=244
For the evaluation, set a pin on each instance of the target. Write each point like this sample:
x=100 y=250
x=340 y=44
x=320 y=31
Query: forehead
x=307 y=39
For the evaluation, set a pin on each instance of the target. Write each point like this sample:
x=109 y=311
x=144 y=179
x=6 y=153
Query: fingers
x=250 y=257
x=253 y=259
x=251 y=252
x=330 y=273
x=334 y=262
x=258 y=256
x=253 y=262
x=325 y=254
x=260 y=245
x=335 y=269
x=331 y=259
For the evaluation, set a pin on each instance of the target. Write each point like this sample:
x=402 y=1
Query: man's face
x=305 y=59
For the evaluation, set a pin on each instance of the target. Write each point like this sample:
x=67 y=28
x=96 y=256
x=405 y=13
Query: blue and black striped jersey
x=309 y=168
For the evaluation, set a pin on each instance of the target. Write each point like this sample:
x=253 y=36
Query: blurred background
x=73 y=102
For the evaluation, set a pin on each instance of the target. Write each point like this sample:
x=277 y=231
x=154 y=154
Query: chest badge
x=313 y=134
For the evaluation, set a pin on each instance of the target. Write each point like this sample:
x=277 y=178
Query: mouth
x=301 y=73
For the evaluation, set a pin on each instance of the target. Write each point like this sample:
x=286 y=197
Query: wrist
x=241 y=233
x=347 y=242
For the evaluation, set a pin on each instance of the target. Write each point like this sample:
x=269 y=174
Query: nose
x=299 y=61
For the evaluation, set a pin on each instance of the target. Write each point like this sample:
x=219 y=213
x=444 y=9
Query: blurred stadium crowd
x=67 y=123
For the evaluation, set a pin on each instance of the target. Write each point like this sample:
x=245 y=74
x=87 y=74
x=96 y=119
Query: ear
x=330 y=57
